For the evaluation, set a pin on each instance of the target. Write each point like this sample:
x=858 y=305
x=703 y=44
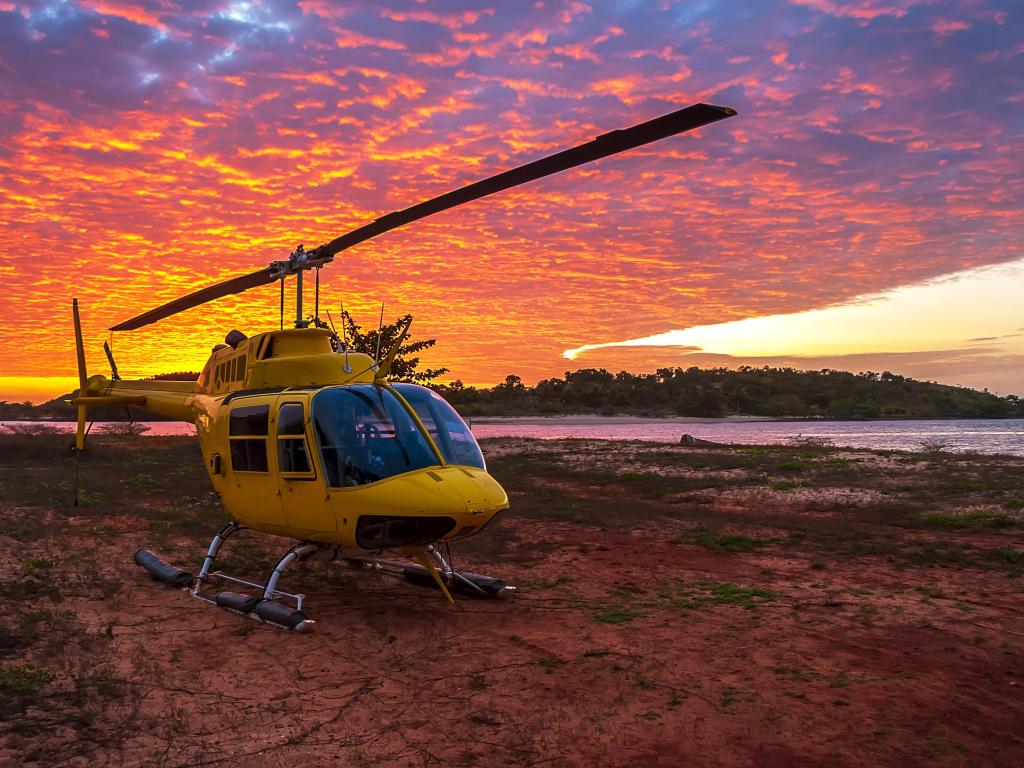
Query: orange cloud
x=133 y=12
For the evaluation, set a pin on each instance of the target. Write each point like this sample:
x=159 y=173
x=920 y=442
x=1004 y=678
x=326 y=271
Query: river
x=981 y=435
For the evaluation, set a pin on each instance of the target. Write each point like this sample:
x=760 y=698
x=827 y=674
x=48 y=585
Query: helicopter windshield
x=365 y=435
x=450 y=432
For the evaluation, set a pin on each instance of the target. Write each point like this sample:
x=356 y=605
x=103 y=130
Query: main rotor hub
x=300 y=259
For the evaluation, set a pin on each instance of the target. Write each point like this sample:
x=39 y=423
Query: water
x=981 y=435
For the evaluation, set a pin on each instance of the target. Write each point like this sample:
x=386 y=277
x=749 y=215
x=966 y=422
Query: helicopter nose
x=482 y=497
x=421 y=507
x=481 y=492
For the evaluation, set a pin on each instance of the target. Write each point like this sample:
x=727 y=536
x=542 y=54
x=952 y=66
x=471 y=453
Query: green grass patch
x=797 y=674
x=691 y=596
x=976 y=518
x=732 y=695
x=939 y=555
x=727 y=542
x=617 y=616
x=24 y=679
x=1006 y=556
x=725 y=592
x=639 y=477
x=37 y=563
x=793 y=465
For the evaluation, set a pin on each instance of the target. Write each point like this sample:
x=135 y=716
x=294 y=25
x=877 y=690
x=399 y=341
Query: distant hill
x=774 y=392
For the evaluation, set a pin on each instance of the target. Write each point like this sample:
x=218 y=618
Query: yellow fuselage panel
x=311 y=370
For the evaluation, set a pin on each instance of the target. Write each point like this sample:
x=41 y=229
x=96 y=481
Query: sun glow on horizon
x=35 y=389
x=973 y=307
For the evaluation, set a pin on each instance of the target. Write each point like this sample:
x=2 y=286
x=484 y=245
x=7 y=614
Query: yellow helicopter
x=306 y=439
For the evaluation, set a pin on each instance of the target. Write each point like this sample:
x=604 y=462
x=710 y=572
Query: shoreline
x=587 y=419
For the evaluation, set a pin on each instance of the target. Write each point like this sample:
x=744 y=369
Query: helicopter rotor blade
x=234 y=285
x=607 y=144
x=612 y=143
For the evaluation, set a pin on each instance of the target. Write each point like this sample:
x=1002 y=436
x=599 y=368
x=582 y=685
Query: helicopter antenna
x=282 y=302
x=385 y=369
x=380 y=325
x=316 y=304
x=347 y=368
x=344 y=336
x=300 y=257
x=114 y=375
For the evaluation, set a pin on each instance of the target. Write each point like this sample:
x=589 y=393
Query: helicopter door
x=252 y=486
x=302 y=492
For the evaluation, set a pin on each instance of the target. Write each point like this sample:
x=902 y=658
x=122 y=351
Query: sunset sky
x=863 y=211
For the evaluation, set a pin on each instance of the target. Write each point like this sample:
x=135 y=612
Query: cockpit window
x=365 y=435
x=450 y=432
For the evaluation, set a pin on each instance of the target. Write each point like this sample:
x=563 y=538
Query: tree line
x=716 y=392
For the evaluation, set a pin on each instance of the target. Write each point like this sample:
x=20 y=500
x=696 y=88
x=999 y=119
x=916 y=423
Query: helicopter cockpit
x=366 y=434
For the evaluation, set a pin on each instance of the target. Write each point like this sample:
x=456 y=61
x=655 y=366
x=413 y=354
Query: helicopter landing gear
x=267 y=604
x=267 y=608
x=461 y=582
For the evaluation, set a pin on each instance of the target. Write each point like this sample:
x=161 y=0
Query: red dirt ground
x=619 y=649
x=395 y=676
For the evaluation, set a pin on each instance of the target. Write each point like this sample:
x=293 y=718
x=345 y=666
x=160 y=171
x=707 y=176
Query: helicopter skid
x=462 y=582
x=267 y=608
x=270 y=605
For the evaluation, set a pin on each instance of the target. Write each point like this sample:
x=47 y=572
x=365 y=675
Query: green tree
x=406 y=361
x=513 y=383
